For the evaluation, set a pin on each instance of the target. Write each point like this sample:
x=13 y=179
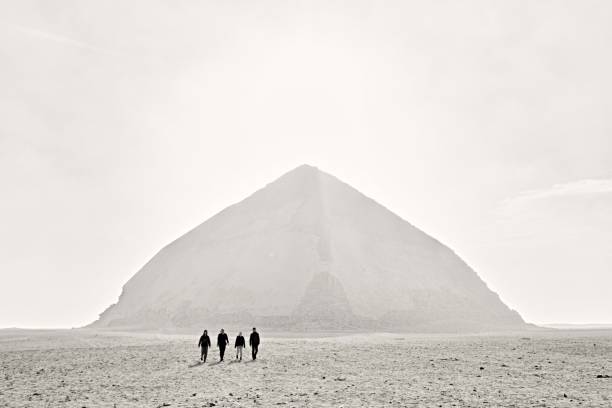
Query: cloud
x=60 y=39
x=580 y=188
x=562 y=211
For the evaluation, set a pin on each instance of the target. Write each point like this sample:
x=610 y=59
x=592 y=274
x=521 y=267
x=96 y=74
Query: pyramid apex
x=302 y=172
x=307 y=166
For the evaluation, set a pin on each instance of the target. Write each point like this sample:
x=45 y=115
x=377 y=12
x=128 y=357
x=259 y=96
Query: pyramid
x=308 y=252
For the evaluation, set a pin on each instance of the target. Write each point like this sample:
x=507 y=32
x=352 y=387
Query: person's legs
x=239 y=353
x=254 y=352
x=204 y=352
x=221 y=352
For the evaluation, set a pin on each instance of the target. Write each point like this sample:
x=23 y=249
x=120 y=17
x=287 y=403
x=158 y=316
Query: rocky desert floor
x=81 y=368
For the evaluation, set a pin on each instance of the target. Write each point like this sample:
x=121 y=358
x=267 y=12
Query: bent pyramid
x=309 y=251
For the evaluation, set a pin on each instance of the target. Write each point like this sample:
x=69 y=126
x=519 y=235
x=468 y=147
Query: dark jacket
x=222 y=340
x=239 y=341
x=204 y=341
x=254 y=339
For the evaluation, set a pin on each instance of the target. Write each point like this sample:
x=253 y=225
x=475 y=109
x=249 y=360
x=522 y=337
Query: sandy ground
x=77 y=368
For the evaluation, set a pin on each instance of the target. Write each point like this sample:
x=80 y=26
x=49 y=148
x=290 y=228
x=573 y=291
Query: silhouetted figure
x=204 y=344
x=239 y=345
x=222 y=342
x=254 y=343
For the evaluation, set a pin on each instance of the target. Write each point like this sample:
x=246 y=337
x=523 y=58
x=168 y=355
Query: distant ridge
x=575 y=326
x=309 y=252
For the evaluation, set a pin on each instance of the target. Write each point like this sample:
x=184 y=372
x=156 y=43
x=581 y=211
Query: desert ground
x=82 y=368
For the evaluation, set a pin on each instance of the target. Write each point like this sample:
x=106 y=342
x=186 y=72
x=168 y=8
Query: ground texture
x=94 y=369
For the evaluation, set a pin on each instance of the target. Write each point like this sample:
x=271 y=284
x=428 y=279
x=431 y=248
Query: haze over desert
x=313 y=203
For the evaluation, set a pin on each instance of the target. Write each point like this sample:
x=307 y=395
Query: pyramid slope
x=258 y=259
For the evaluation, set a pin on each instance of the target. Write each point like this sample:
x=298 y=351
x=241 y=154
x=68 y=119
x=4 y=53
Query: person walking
x=254 y=343
x=222 y=342
x=204 y=344
x=239 y=345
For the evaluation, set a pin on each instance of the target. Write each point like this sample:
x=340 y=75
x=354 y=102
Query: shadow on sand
x=214 y=363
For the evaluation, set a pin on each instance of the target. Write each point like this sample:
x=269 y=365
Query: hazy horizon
x=486 y=124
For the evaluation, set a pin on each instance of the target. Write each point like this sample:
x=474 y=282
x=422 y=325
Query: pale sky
x=124 y=124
